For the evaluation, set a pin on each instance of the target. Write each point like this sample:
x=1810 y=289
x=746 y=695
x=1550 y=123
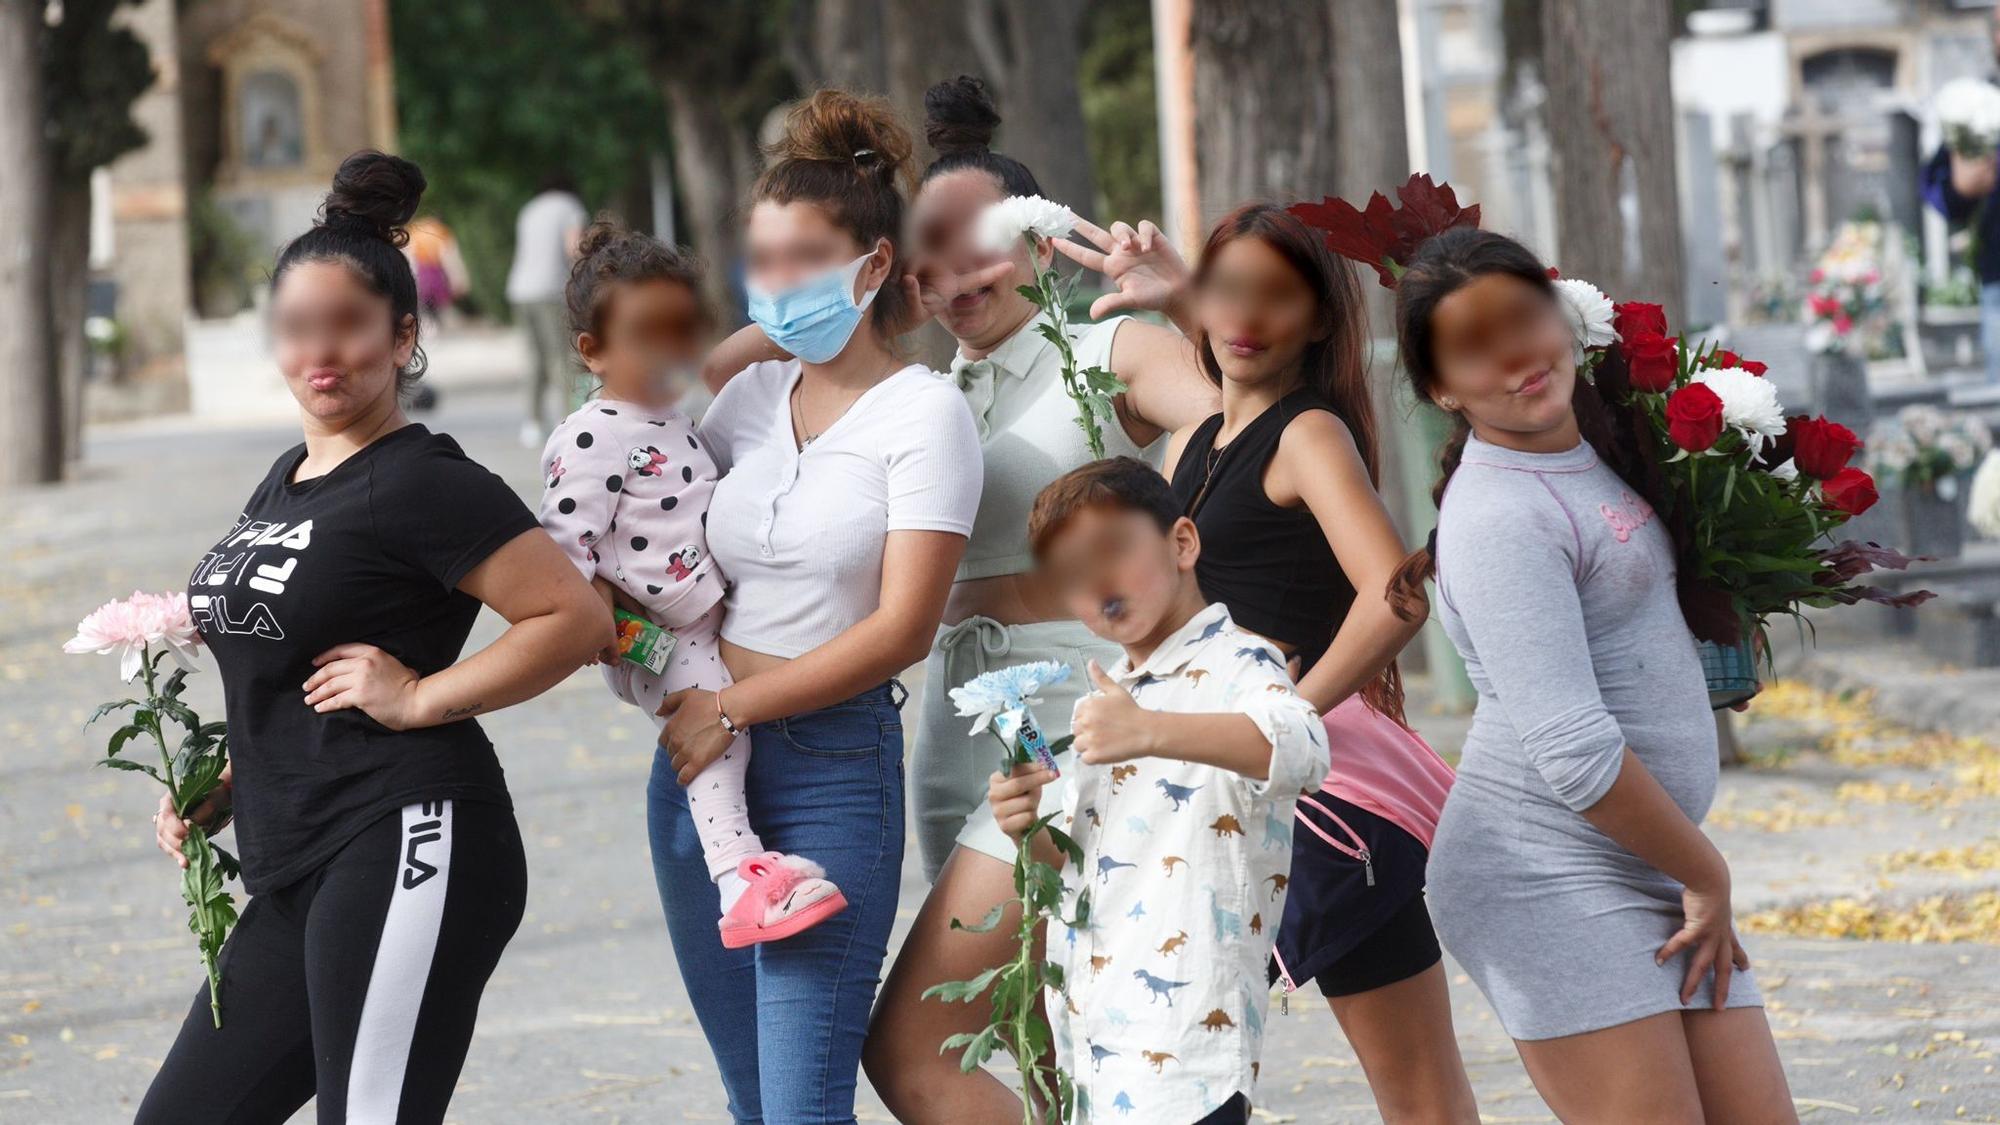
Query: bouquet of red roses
x=1755 y=496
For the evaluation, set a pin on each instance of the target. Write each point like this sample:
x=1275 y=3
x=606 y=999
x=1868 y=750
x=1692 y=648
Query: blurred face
x=1118 y=573
x=942 y=221
x=1259 y=314
x=651 y=330
x=336 y=342
x=787 y=243
x=1504 y=360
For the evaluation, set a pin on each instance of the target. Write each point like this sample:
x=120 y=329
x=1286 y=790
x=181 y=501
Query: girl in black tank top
x=1271 y=565
x=1296 y=544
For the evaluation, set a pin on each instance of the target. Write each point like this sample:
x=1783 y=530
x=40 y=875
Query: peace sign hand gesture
x=1145 y=270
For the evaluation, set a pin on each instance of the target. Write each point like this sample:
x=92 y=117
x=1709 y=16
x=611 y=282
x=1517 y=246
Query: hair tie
x=861 y=152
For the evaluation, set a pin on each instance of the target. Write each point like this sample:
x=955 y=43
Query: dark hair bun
x=374 y=193
x=601 y=233
x=959 y=116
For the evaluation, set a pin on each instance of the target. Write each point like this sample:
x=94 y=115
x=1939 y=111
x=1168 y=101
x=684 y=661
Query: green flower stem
x=203 y=878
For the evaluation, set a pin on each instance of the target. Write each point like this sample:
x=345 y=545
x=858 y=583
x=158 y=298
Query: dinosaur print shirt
x=1185 y=867
x=627 y=500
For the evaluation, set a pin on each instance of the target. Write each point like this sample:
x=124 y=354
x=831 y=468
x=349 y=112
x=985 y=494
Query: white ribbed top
x=800 y=533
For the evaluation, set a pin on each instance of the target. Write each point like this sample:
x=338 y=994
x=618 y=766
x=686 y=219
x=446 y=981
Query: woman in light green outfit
x=998 y=613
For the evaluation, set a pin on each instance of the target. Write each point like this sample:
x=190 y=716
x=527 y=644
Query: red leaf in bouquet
x=1384 y=236
x=1652 y=360
x=1850 y=490
x=1852 y=558
x=1821 y=447
x=1631 y=318
x=1754 y=367
x=1723 y=357
x=1428 y=208
x=1694 y=417
x=1365 y=236
x=1851 y=594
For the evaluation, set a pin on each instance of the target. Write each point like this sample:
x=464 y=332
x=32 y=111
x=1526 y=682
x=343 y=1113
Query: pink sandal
x=787 y=895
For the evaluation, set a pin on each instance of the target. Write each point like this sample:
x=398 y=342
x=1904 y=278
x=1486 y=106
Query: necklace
x=799 y=420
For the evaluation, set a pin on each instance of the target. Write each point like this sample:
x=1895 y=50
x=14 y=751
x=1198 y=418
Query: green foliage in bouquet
x=1048 y=1093
x=1753 y=497
x=191 y=772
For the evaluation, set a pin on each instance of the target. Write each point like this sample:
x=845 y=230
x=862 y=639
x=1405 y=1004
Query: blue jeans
x=1989 y=328
x=826 y=785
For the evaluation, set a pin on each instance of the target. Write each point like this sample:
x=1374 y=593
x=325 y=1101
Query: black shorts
x=1352 y=925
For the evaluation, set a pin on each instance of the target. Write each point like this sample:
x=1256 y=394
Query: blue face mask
x=814 y=319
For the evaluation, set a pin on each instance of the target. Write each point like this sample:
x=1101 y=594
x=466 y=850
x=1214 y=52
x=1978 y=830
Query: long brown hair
x=1444 y=265
x=849 y=156
x=1334 y=365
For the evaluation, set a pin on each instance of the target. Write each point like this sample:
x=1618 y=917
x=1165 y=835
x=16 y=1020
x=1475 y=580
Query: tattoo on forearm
x=463 y=712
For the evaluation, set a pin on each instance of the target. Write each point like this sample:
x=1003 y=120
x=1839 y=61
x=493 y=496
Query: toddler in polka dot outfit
x=627 y=491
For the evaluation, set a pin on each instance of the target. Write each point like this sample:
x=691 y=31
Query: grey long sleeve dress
x=1557 y=586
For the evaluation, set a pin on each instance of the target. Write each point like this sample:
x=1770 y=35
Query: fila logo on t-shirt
x=234 y=562
x=415 y=871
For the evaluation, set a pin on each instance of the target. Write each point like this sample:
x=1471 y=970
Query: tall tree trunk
x=1264 y=102
x=714 y=167
x=925 y=43
x=1611 y=135
x=1028 y=50
x=840 y=43
x=1373 y=141
x=30 y=419
x=69 y=288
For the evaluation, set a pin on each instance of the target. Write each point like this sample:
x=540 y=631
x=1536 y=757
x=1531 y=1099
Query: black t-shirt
x=370 y=553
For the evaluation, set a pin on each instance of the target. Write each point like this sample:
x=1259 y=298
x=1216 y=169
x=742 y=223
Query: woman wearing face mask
x=999 y=613
x=850 y=483
x=377 y=837
x=1591 y=758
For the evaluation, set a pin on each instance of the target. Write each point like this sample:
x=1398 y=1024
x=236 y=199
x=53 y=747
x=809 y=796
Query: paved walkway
x=586 y=1019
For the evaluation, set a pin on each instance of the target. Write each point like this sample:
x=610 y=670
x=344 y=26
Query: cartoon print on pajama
x=614 y=513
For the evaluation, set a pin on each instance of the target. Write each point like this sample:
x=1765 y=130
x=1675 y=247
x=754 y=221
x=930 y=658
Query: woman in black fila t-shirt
x=371 y=816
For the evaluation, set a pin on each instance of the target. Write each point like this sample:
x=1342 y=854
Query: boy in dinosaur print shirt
x=1190 y=755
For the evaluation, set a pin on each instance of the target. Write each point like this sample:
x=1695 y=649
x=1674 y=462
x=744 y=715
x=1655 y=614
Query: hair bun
x=836 y=127
x=375 y=194
x=602 y=232
x=959 y=116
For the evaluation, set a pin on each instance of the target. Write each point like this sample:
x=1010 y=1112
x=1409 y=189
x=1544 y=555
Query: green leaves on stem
x=191 y=773
x=1016 y=988
x=1091 y=388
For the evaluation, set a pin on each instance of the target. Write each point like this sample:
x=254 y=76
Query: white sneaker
x=531 y=435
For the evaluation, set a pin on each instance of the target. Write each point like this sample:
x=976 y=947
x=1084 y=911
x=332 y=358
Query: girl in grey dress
x=1569 y=876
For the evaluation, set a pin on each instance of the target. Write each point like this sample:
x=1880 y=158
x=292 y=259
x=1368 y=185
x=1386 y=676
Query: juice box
x=643 y=643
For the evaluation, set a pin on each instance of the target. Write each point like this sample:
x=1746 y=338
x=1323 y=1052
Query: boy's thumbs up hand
x=1109 y=725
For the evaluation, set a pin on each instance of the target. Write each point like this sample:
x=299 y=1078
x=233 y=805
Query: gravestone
x=1702 y=229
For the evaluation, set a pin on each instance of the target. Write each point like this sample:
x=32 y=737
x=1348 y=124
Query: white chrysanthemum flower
x=1002 y=225
x=1982 y=508
x=1589 y=312
x=1969 y=111
x=1749 y=404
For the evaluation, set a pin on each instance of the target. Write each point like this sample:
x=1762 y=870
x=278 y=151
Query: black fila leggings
x=358 y=983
